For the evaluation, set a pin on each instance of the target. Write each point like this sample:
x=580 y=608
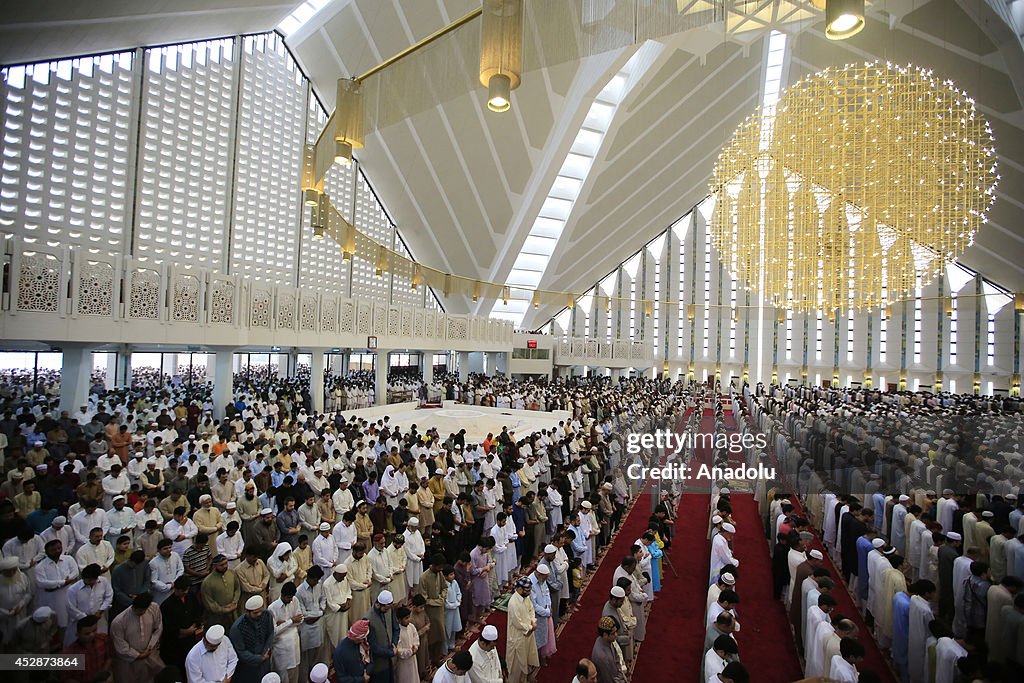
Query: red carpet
x=675 y=628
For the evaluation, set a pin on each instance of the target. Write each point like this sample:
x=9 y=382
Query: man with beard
x=360 y=579
x=434 y=588
x=252 y=636
x=265 y=534
x=94 y=648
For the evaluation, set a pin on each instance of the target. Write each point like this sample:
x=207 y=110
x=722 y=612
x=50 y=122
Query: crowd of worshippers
x=937 y=576
x=315 y=543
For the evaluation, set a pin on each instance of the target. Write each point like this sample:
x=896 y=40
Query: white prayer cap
x=117 y=498
x=318 y=674
x=215 y=634
x=255 y=602
x=727 y=578
x=904 y=498
x=988 y=513
x=954 y=536
x=724 y=491
x=8 y=563
x=947 y=492
x=727 y=527
x=231 y=504
x=385 y=598
x=413 y=521
x=607 y=486
x=1011 y=496
x=137 y=454
x=205 y=497
x=617 y=592
x=60 y=520
x=271 y=678
x=816 y=554
x=877 y=542
x=340 y=568
x=39 y=443
x=889 y=551
x=266 y=511
x=550 y=549
x=338 y=467
x=325 y=526
x=717 y=519
x=586 y=505
x=543 y=570
x=42 y=614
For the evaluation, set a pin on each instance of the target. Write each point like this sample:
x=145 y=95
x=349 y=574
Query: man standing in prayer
x=252 y=638
x=540 y=595
x=182 y=615
x=360 y=578
x=221 y=592
x=212 y=659
x=287 y=650
x=721 y=553
x=415 y=549
x=521 y=653
x=606 y=655
x=15 y=595
x=312 y=603
x=486 y=664
x=135 y=634
x=434 y=588
x=383 y=639
x=253 y=575
x=54 y=574
x=339 y=603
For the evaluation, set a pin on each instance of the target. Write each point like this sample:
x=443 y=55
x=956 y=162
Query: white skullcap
x=729 y=528
x=271 y=678
x=231 y=504
x=205 y=497
x=988 y=513
x=42 y=614
x=266 y=511
x=717 y=519
x=728 y=579
x=8 y=563
x=586 y=505
x=215 y=634
x=607 y=486
x=490 y=633
x=904 y=498
x=255 y=602
x=954 y=536
x=413 y=521
x=816 y=554
x=543 y=570
x=385 y=598
x=550 y=549
x=340 y=568
x=60 y=520
x=877 y=543
x=947 y=492
x=318 y=674
x=325 y=526
x=724 y=491
x=617 y=592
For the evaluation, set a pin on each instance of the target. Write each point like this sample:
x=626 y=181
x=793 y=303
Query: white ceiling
x=465 y=185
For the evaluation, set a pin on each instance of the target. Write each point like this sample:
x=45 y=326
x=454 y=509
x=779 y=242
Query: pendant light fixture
x=348 y=120
x=843 y=18
x=501 y=51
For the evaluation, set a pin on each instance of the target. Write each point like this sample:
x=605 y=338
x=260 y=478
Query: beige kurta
x=406 y=670
x=254 y=579
x=521 y=647
x=209 y=522
x=359 y=580
x=893 y=582
x=336 y=620
x=131 y=635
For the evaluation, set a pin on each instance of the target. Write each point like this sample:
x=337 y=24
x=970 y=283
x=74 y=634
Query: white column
x=223 y=376
x=316 y=380
x=428 y=366
x=476 y=361
x=487 y=363
x=380 y=379
x=463 y=366
x=111 y=378
x=74 y=376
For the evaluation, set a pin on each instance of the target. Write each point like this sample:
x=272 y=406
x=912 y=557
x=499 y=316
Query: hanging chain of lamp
x=859 y=188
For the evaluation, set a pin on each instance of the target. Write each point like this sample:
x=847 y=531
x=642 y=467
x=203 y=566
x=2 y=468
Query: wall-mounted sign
x=371 y=342
x=531 y=343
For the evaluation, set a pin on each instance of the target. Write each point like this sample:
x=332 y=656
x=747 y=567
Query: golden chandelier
x=855 y=189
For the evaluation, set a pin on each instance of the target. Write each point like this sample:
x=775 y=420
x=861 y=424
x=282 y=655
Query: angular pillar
x=463 y=366
x=112 y=366
x=223 y=377
x=427 y=366
x=487 y=362
x=316 y=379
x=380 y=377
x=503 y=363
x=75 y=376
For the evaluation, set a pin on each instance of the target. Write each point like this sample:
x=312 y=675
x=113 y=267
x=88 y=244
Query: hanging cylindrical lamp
x=571 y=303
x=607 y=304
x=310 y=191
x=536 y=300
x=505 y=294
x=348 y=248
x=843 y=18
x=780 y=315
x=476 y=292
x=447 y=284
x=320 y=216
x=691 y=312
x=348 y=120
x=647 y=309
x=382 y=260
x=417 y=278
x=1018 y=302
x=501 y=51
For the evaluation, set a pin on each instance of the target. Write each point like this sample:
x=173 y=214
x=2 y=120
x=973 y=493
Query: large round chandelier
x=855 y=189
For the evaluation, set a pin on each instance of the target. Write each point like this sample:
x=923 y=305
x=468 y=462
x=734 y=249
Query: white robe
x=947 y=652
x=285 y=651
x=414 y=551
x=814 y=664
x=917 y=656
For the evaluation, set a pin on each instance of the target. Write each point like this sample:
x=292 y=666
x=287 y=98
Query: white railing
x=601 y=352
x=65 y=295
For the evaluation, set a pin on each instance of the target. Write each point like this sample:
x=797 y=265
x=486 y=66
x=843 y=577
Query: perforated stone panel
x=222 y=301
x=144 y=296
x=64 y=178
x=95 y=288
x=259 y=315
x=271 y=132
x=39 y=283
x=286 y=310
x=185 y=149
x=329 y=314
x=308 y=315
x=185 y=302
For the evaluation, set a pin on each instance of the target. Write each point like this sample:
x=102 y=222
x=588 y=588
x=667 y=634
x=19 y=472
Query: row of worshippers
x=720 y=659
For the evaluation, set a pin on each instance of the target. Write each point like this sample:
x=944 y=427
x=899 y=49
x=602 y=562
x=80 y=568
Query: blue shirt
x=864 y=548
